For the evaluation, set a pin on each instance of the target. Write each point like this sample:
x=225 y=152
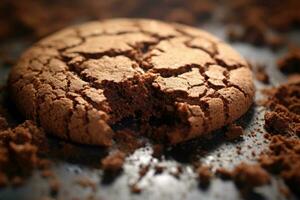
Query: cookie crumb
x=19 y=152
x=178 y=172
x=157 y=150
x=234 y=132
x=143 y=171
x=127 y=141
x=113 y=162
x=283 y=158
x=204 y=175
x=250 y=176
x=284 y=105
x=276 y=123
x=159 y=169
x=135 y=189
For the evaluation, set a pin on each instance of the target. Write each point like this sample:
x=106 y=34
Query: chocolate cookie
x=174 y=81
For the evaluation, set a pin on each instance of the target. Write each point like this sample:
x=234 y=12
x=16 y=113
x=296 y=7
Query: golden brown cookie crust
x=70 y=82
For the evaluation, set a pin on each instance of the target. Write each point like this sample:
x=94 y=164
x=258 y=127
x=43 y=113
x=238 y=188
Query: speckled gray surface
x=218 y=152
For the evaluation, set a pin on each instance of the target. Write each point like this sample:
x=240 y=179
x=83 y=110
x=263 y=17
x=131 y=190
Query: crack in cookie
x=176 y=82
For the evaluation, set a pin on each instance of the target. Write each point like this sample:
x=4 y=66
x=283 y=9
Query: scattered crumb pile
x=205 y=175
x=19 y=149
x=113 y=162
x=283 y=159
x=284 y=105
x=283 y=123
x=245 y=176
x=234 y=132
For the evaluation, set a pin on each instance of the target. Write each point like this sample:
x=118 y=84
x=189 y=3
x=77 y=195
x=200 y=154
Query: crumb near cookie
x=283 y=102
x=143 y=170
x=135 y=189
x=18 y=152
x=157 y=150
x=282 y=122
x=113 y=162
x=159 y=169
x=204 y=175
x=246 y=177
x=234 y=132
x=127 y=141
x=282 y=159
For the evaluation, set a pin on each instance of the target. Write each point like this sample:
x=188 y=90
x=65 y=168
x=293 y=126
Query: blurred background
x=37 y=18
x=262 y=23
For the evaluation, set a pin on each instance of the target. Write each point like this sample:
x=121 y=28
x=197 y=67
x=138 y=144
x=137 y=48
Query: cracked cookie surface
x=81 y=82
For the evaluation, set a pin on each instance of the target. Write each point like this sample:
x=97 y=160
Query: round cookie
x=179 y=82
